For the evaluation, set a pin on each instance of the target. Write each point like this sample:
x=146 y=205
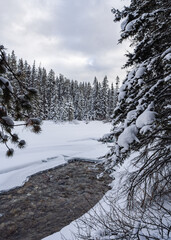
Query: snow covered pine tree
x=144 y=98
x=141 y=156
x=22 y=105
x=143 y=110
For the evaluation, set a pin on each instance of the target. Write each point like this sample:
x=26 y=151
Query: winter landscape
x=56 y=145
x=85 y=154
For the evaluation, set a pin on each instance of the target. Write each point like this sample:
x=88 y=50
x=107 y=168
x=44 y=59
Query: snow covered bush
x=142 y=124
x=15 y=102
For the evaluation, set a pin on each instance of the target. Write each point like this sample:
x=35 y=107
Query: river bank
x=51 y=200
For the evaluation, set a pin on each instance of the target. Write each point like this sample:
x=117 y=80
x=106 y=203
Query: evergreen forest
x=59 y=98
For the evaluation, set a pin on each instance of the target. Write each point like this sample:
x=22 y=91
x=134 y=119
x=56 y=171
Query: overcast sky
x=77 y=38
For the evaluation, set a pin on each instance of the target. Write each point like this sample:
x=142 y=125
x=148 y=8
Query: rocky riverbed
x=51 y=200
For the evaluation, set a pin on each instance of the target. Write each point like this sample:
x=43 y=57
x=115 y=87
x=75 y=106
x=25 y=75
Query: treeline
x=62 y=99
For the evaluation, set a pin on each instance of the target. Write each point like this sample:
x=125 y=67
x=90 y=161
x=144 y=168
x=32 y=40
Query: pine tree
x=66 y=90
x=116 y=91
x=88 y=96
x=27 y=73
x=104 y=99
x=54 y=106
x=81 y=103
x=39 y=100
x=69 y=107
x=33 y=79
x=44 y=94
x=76 y=101
x=60 y=87
x=148 y=83
x=34 y=84
x=12 y=61
x=111 y=103
x=142 y=114
x=51 y=83
x=96 y=100
x=16 y=100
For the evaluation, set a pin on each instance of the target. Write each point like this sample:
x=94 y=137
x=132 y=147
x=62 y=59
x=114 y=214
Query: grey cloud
x=55 y=31
x=81 y=25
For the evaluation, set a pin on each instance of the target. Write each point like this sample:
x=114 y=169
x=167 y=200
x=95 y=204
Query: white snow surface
x=124 y=23
x=131 y=115
x=146 y=118
x=55 y=145
x=168 y=57
x=140 y=72
x=128 y=136
x=166 y=52
x=130 y=26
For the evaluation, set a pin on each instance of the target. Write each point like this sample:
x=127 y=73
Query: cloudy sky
x=77 y=38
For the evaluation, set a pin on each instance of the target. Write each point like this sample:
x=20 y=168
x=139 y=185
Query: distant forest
x=59 y=98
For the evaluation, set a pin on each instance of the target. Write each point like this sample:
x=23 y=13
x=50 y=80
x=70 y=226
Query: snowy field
x=57 y=144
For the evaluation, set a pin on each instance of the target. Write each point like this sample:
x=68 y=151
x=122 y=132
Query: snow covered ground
x=54 y=146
